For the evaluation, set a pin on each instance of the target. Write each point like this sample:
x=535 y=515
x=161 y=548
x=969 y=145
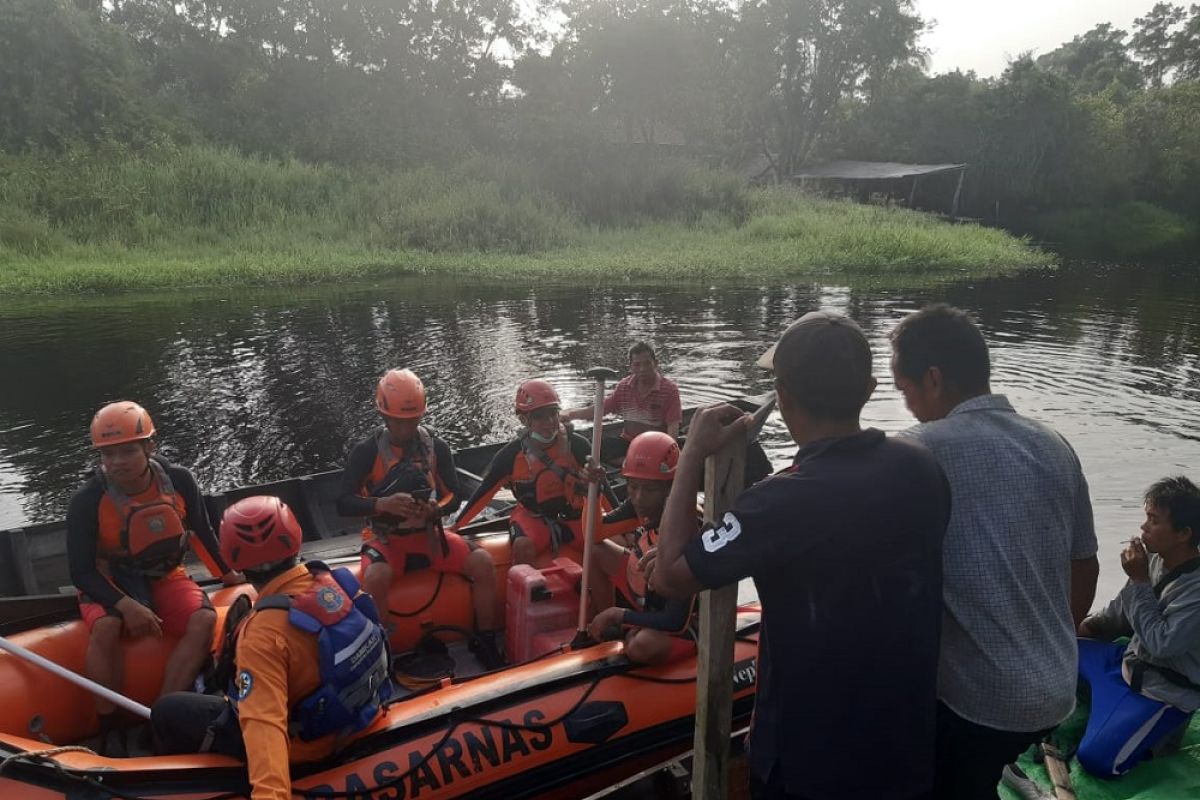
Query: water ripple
x=254 y=386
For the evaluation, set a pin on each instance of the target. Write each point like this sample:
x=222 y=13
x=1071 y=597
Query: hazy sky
x=984 y=34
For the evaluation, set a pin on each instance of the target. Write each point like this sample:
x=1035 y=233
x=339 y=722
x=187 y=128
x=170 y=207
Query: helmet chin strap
x=540 y=439
x=145 y=477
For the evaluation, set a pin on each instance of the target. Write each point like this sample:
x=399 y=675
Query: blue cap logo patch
x=329 y=599
x=244 y=682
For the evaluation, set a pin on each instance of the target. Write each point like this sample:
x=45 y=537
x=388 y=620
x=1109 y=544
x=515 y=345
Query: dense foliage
x=92 y=220
x=578 y=101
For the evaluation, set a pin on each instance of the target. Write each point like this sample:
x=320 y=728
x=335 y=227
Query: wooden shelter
x=865 y=178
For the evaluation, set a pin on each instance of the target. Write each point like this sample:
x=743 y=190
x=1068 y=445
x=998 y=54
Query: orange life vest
x=415 y=470
x=644 y=539
x=548 y=480
x=152 y=534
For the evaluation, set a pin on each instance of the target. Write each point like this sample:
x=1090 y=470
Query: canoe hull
x=556 y=727
x=33 y=557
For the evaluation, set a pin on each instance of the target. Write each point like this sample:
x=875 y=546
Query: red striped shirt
x=653 y=410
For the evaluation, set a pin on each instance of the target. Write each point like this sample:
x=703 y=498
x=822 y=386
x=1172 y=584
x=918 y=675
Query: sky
x=984 y=35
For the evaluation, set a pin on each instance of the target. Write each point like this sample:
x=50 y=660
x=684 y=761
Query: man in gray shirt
x=1144 y=692
x=1019 y=557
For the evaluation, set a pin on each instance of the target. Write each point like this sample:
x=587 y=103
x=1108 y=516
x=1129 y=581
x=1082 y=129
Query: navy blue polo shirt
x=844 y=548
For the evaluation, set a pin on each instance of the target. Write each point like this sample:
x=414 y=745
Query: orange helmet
x=259 y=530
x=652 y=456
x=535 y=394
x=400 y=394
x=121 y=422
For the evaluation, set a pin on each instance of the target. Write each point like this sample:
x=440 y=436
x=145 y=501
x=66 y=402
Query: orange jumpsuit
x=277 y=666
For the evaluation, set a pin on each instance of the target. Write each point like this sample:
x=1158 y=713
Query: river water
x=250 y=386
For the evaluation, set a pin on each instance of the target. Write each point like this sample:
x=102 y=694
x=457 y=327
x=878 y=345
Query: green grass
x=103 y=222
x=1128 y=230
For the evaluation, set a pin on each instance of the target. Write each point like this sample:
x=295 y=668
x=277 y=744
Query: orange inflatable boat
x=564 y=724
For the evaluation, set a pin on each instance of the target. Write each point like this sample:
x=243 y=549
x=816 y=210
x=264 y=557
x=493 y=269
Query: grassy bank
x=89 y=221
x=1129 y=230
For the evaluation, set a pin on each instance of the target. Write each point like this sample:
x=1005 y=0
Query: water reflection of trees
x=1134 y=320
x=258 y=387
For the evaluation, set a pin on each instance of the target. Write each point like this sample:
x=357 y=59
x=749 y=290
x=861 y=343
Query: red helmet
x=535 y=394
x=400 y=394
x=652 y=456
x=259 y=530
x=121 y=422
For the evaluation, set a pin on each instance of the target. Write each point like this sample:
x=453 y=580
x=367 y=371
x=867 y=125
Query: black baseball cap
x=823 y=359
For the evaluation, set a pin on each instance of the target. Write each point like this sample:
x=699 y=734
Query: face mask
x=540 y=439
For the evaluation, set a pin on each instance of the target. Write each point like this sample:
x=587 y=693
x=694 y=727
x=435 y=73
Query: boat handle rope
x=35 y=755
x=43 y=758
x=34 y=758
x=437 y=590
x=455 y=716
x=456 y=719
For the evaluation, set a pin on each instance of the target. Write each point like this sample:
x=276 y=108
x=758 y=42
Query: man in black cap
x=844 y=547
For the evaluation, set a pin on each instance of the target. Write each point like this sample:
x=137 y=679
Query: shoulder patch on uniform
x=244 y=683
x=716 y=538
x=329 y=598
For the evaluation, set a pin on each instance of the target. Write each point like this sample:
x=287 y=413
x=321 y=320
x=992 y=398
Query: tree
x=797 y=60
x=642 y=71
x=1094 y=61
x=920 y=119
x=1165 y=124
x=1185 y=46
x=346 y=80
x=66 y=74
x=1153 y=40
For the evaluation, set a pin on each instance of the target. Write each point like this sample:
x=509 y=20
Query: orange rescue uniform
x=94 y=538
x=281 y=665
x=111 y=521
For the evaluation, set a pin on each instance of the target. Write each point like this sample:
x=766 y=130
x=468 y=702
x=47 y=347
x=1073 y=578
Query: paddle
x=760 y=418
x=121 y=700
x=599 y=375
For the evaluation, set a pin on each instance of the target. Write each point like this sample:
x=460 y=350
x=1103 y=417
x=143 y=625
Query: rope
x=44 y=754
x=437 y=590
x=95 y=783
x=456 y=718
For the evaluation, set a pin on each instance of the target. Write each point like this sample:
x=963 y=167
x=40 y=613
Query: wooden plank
x=10 y=581
x=22 y=563
x=957 y=193
x=46 y=541
x=723 y=476
x=1060 y=773
x=24 y=613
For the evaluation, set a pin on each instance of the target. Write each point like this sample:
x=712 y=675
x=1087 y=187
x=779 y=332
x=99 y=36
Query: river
x=247 y=386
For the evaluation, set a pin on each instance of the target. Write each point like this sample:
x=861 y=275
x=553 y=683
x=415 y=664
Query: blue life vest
x=353 y=649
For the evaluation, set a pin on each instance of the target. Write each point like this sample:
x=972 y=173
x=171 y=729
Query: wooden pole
x=957 y=193
x=912 y=195
x=723 y=476
x=1060 y=773
x=592 y=508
